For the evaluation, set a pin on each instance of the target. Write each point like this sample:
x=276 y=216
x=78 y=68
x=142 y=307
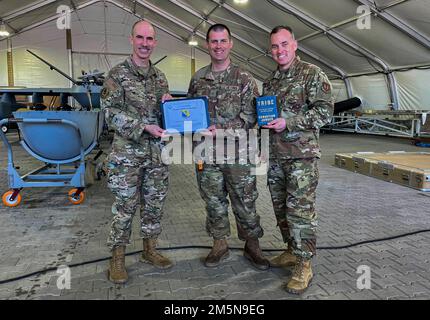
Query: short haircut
x=279 y=28
x=137 y=22
x=218 y=27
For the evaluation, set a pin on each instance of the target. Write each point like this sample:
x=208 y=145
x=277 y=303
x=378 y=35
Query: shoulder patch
x=108 y=87
x=111 y=85
x=104 y=93
x=325 y=87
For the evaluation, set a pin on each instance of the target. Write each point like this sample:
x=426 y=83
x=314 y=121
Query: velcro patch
x=104 y=93
x=325 y=87
x=111 y=84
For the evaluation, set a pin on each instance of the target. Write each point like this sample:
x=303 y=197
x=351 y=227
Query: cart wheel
x=4 y=129
x=77 y=200
x=6 y=199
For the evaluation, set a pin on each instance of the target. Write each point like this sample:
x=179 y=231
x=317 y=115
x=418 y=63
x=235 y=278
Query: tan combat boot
x=302 y=277
x=218 y=253
x=253 y=253
x=150 y=255
x=285 y=259
x=117 y=272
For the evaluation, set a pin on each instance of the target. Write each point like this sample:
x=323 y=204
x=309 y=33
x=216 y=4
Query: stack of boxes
x=410 y=169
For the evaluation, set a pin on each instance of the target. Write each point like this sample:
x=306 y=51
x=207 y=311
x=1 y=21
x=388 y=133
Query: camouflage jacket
x=231 y=97
x=304 y=99
x=130 y=100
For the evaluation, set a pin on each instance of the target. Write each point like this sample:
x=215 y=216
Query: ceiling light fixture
x=3 y=31
x=192 y=41
x=240 y=1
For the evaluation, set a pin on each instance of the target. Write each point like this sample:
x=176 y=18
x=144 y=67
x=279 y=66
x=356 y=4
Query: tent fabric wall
x=31 y=72
x=399 y=36
x=177 y=65
x=90 y=37
x=28 y=70
x=416 y=13
x=3 y=64
x=414 y=89
x=372 y=91
x=339 y=90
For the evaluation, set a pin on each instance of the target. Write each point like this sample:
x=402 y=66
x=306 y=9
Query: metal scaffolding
x=389 y=123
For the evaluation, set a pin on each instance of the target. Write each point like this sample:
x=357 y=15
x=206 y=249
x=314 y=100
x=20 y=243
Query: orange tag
x=200 y=165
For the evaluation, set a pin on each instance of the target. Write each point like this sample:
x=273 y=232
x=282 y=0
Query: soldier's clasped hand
x=278 y=125
x=166 y=96
x=211 y=131
x=155 y=130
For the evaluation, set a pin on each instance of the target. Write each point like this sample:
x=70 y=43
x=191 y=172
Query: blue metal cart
x=60 y=139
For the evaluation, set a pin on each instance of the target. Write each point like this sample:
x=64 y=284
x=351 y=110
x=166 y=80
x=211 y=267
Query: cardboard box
x=354 y=162
x=383 y=170
x=362 y=165
x=402 y=175
x=420 y=180
x=410 y=169
x=344 y=160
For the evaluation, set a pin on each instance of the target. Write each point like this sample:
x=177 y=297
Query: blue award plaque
x=266 y=109
x=185 y=115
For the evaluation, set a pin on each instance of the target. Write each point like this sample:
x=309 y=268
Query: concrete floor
x=45 y=231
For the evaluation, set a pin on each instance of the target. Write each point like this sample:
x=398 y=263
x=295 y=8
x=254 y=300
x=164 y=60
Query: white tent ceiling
x=327 y=30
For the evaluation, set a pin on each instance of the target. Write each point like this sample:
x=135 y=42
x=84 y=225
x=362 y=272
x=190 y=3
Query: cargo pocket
x=250 y=193
x=113 y=172
x=287 y=136
x=155 y=152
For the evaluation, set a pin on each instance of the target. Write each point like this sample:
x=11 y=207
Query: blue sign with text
x=267 y=109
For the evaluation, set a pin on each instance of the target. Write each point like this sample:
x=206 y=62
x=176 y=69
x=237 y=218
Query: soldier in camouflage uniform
x=304 y=105
x=231 y=92
x=130 y=99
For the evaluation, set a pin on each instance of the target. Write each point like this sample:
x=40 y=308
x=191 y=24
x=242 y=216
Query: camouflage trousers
x=216 y=182
x=293 y=185
x=133 y=182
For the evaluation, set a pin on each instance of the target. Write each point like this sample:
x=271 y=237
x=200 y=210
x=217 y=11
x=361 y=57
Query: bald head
x=142 y=24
